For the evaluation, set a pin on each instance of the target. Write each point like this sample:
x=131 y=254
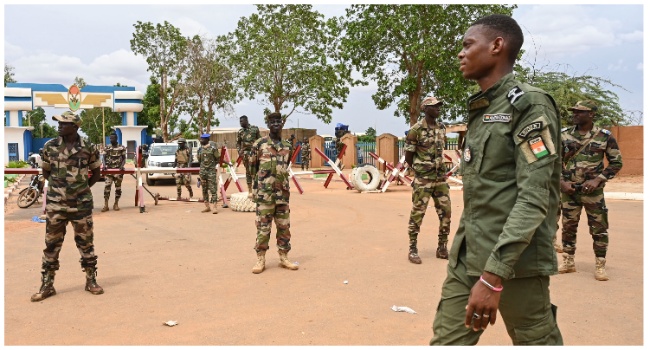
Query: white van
x=161 y=155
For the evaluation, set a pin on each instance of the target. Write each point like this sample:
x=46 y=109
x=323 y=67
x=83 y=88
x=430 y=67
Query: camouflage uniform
x=114 y=158
x=305 y=155
x=209 y=158
x=271 y=192
x=182 y=159
x=245 y=139
x=69 y=199
x=427 y=142
x=587 y=165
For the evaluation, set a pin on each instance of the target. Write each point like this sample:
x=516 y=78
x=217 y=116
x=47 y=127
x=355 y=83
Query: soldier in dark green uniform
x=183 y=158
x=423 y=150
x=502 y=254
x=114 y=158
x=67 y=160
x=305 y=154
x=271 y=157
x=209 y=158
x=584 y=175
x=245 y=138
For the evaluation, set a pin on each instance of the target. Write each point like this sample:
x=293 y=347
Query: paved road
x=175 y=263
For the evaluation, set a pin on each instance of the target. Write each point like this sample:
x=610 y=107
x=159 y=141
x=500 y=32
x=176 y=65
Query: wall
x=630 y=142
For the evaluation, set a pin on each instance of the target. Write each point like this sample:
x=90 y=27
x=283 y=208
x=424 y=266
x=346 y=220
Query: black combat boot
x=413 y=253
x=47 y=286
x=91 y=282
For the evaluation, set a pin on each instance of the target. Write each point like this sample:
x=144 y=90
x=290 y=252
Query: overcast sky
x=56 y=43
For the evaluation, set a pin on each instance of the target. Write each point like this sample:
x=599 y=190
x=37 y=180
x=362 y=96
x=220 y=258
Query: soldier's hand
x=590 y=185
x=567 y=187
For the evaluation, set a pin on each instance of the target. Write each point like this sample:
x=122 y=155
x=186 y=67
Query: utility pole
x=103 y=129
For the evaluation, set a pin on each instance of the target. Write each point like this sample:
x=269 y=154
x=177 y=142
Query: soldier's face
x=582 y=117
x=432 y=111
x=204 y=141
x=275 y=124
x=243 y=122
x=476 y=59
x=67 y=128
x=113 y=139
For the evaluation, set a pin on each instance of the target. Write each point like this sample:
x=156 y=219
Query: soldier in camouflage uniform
x=245 y=138
x=66 y=163
x=209 y=158
x=270 y=159
x=182 y=159
x=305 y=154
x=424 y=146
x=584 y=148
x=114 y=158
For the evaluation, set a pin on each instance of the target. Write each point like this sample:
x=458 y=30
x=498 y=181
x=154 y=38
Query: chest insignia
x=467 y=154
x=497 y=118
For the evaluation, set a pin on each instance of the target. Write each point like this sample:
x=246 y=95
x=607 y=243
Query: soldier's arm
x=409 y=147
x=45 y=167
x=94 y=165
x=614 y=158
x=123 y=157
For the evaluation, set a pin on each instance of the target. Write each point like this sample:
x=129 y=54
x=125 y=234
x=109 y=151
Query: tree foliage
x=92 y=121
x=369 y=136
x=9 y=74
x=42 y=129
x=285 y=53
x=568 y=89
x=209 y=83
x=164 y=49
x=410 y=52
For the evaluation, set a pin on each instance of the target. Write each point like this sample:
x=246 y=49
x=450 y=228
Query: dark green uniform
x=209 y=158
x=511 y=172
x=582 y=164
x=245 y=139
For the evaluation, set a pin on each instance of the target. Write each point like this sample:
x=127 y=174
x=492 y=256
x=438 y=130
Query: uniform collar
x=482 y=99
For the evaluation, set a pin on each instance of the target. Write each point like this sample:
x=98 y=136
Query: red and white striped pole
x=292 y=176
x=334 y=167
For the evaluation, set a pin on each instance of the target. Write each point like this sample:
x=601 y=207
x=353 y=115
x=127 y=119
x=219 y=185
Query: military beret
x=205 y=136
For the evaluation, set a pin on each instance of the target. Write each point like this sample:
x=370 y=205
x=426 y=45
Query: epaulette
x=606 y=132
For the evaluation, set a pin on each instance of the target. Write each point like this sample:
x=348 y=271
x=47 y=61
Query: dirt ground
x=173 y=262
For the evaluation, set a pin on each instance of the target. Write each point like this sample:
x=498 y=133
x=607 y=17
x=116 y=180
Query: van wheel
x=150 y=182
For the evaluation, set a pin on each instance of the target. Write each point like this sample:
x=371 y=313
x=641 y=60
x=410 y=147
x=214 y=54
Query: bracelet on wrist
x=487 y=284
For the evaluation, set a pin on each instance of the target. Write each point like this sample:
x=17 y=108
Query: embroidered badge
x=497 y=118
x=530 y=128
x=467 y=154
x=514 y=94
x=538 y=147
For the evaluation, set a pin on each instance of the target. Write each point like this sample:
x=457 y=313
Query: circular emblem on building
x=74 y=98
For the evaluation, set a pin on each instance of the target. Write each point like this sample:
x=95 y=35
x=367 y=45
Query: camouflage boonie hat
x=67 y=117
x=181 y=140
x=429 y=101
x=585 y=105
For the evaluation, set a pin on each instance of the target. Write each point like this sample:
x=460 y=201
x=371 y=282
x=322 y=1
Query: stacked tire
x=241 y=202
x=356 y=178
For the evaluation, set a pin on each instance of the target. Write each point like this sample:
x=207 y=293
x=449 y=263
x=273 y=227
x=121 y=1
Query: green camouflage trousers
x=266 y=213
x=594 y=204
x=183 y=179
x=209 y=183
x=249 y=171
x=55 y=230
x=525 y=307
x=424 y=189
x=117 y=178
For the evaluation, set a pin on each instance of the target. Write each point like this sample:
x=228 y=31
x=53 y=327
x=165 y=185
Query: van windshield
x=166 y=150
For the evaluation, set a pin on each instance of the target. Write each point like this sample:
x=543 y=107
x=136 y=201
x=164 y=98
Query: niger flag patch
x=538 y=147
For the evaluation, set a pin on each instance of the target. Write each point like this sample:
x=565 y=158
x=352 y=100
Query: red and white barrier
x=335 y=166
x=396 y=172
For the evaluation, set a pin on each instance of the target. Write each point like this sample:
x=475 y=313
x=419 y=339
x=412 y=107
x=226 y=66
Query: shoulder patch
x=605 y=131
x=514 y=94
x=530 y=128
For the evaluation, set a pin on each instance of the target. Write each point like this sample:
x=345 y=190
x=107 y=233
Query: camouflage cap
x=584 y=105
x=430 y=101
x=67 y=117
x=181 y=140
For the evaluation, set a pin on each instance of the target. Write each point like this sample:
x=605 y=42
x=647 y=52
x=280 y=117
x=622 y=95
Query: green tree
x=410 y=51
x=369 y=136
x=91 y=123
x=285 y=53
x=36 y=118
x=568 y=89
x=9 y=74
x=209 y=83
x=150 y=114
x=164 y=48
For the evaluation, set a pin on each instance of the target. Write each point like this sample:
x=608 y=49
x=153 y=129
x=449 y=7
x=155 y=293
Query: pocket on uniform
x=531 y=333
